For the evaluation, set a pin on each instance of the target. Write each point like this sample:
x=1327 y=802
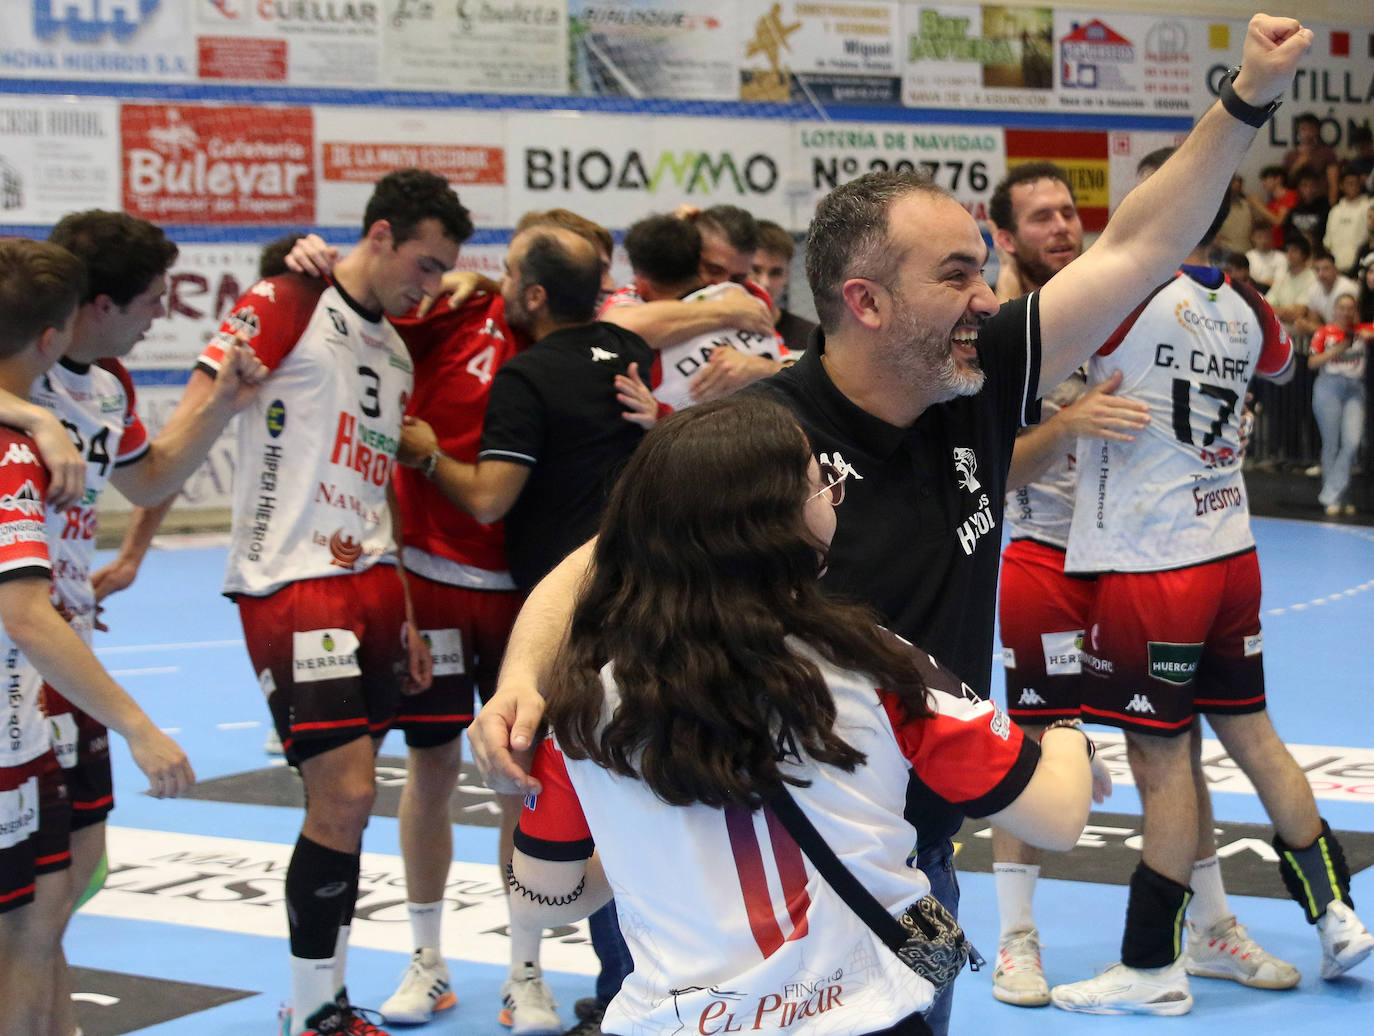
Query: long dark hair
x=703 y=570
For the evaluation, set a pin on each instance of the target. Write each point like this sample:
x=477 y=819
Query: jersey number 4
x=96 y=451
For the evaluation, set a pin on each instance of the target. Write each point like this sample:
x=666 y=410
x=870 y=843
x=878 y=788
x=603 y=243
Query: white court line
x=183 y=645
x=243 y=725
x=151 y=670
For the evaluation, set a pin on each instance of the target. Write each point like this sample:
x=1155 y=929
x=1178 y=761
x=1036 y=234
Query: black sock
x=320 y=885
x=1317 y=875
x=1154 y=919
x=351 y=896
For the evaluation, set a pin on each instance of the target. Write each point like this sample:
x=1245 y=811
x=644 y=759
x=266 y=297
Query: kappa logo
x=1141 y=704
x=491 y=330
x=599 y=354
x=836 y=460
x=18 y=453
x=1030 y=697
x=966 y=463
x=1000 y=724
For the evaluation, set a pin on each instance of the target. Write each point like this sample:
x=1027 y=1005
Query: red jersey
x=456 y=354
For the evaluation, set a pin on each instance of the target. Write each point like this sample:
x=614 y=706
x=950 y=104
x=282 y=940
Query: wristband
x=1072 y=724
x=1238 y=109
x=430 y=464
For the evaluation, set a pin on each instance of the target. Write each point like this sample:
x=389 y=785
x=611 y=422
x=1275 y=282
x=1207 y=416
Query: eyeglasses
x=833 y=479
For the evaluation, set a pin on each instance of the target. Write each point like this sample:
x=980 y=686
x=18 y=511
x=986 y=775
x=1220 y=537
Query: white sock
x=312 y=984
x=341 y=958
x=425 y=921
x=1015 y=884
x=1209 y=895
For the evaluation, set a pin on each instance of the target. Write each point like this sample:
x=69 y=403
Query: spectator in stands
x=1234 y=235
x=1347 y=226
x=1311 y=156
x=1308 y=216
x=1266 y=261
x=1367 y=246
x=1329 y=285
x=1339 y=351
x=1288 y=294
x=1367 y=289
x=773 y=272
x=1362 y=161
x=1278 y=199
x=1237 y=267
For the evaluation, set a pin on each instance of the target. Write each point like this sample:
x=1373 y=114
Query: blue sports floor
x=195 y=897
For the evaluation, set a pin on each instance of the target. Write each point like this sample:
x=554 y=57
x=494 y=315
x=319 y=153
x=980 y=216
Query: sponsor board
x=238 y=885
x=612 y=169
x=1083 y=157
x=356 y=147
x=300 y=44
x=969 y=56
x=112 y=1003
x=186 y=163
x=1123 y=63
x=1109 y=849
x=57 y=156
x=112 y=40
x=836 y=53
x=683 y=49
x=479 y=47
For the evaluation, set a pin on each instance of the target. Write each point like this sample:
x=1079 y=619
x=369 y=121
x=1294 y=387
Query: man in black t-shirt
x=554 y=438
x=917 y=387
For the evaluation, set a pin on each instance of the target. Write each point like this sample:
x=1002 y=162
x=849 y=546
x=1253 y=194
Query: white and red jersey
x=96 y=405
x=456 y=353
x=1351 y=363
x=1042 y=510
x=677 y=365
x=731 y=928
x=23 y=553
x=318 y=444
x=1175 y=496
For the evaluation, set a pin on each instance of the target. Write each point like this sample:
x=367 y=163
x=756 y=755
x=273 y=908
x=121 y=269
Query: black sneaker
x=589 y=1011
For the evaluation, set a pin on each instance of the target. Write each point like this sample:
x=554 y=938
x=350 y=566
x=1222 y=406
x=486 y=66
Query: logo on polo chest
x=965 y=464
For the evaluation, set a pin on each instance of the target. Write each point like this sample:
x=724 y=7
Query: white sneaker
x=424 y=989
x=1123 y=990
x=1226 y=951
x=1019 y=977
x=272 y=746
x=530 y=1002
x=1345 y=941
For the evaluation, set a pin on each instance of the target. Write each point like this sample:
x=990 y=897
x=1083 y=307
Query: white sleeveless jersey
x=1042 y=510
x=1176 y=496
x=96 y=406
x=317 y=446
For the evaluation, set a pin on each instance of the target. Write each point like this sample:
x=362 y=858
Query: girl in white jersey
x=704 y=668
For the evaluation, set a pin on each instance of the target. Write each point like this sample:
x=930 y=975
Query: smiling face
x=939 y=297
x=1047 y=234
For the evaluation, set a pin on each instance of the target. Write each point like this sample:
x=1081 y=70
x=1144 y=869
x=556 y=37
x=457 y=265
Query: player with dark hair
x=772 y=271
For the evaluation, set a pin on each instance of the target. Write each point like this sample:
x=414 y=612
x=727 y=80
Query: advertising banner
x=967 y=161
x=677 y=49
x=286 y=41
x=199 y=164
x=822 y=54
x=1123 y=63
x=616 y=169
x=57 y=156
x=115 y=40
x=358 y=146
x=969 y=56
x=463 y=45
x=1083 y=157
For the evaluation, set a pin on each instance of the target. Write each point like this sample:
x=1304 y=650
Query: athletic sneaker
x=424 y=989
x=1019 y=978
x=272 y=746
x=1345 y=941
x=1226 y=951
x=1123 y=990
x=334 y=1019
x=530 y=1002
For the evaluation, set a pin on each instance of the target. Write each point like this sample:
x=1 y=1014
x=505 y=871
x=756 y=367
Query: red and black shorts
x=466 y=631
x=330 y=657
x=1165 y=646
x=35 y=827
x=82 y=745
x=1041 y=613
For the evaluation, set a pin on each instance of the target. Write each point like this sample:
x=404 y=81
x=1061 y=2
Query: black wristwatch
x=430 y=464
x=1246 y=113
